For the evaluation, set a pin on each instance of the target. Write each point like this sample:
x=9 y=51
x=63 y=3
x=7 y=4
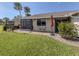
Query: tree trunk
x=20 y=12
x=20 y=17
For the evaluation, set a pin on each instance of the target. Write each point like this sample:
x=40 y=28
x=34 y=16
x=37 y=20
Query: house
x=42 y=22
x=17 y=20
x=1 y=22
x=9 y=24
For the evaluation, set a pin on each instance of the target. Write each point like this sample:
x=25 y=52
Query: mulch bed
x=71 y=38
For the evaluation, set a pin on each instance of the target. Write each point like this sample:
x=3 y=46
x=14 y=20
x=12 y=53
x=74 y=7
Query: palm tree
x=18 y=7
x=27 y=11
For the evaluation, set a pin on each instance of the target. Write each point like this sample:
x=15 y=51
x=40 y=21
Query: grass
x=17 y=44
x=1 y=28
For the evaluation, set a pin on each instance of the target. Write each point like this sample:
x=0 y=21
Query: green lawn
x=27 y=44
x=1 y=28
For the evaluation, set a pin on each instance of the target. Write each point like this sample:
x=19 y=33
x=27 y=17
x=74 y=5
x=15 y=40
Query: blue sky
x=7 y=10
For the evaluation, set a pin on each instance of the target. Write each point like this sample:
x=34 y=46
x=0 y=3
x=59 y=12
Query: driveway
x=55 y=36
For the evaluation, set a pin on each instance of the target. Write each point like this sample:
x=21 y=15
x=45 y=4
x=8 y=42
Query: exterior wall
x=17 y=21
x=46 y=28
x=75 y=21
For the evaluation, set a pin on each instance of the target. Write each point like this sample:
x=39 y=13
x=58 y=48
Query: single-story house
x=1 y=22
x=17 y=20
x=9 y=23
x=42 y=22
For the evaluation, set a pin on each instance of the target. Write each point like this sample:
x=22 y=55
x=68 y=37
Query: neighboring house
x=1 y=22
x=10 y=23
x=42 y=22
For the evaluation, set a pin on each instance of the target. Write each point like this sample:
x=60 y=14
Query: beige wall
x=75 y=21
x=17 y=21
x=46 y=28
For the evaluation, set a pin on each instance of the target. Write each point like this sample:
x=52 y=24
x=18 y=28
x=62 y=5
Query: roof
x=54 y=14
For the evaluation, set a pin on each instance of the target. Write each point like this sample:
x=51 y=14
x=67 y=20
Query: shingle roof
x=54 y=14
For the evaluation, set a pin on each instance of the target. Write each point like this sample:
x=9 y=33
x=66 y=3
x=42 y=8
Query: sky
x=7 y=8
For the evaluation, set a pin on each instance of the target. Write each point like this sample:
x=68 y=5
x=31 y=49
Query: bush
x=4 y=28
x=67 y=30
x=8 y=28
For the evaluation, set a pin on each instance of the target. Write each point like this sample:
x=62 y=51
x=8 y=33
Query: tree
x=27 y=11
x=5 y=19
x=18 y=7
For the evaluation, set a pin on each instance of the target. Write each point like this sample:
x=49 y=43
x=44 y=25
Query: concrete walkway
x=56 y=37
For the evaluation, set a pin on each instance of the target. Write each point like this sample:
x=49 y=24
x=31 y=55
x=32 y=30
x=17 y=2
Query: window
x=41 y=22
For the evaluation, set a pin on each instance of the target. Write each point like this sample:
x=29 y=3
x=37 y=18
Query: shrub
x=4 y=28
x=8 y=28
x=67 y=30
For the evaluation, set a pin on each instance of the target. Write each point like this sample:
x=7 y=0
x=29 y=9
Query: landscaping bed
x=71 y=38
